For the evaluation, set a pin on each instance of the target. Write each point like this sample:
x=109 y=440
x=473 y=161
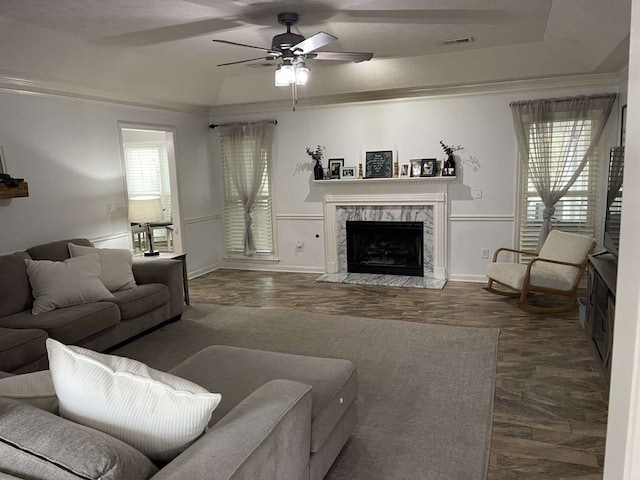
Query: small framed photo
x=335 y=164
x=348 y=173
x=416 y=167
x=404 y=170
x=438 y=168
x=428 y=167
x=3 y=165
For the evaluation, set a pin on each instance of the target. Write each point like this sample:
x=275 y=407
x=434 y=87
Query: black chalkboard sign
x=379 y=164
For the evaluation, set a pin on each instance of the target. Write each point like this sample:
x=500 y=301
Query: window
x=238 y=156
x=147 y=172
x=578 y=210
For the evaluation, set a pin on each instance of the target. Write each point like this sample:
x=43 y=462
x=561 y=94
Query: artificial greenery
x=450 y=149
x=317 y=153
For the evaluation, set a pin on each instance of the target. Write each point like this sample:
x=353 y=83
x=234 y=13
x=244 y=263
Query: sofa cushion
x=140 y=300
x=70 y=324
x=240 y=371
x=20 y=347
x=115 y=265
x=15 y=290
x=155 y=412
x=57 y=251
x=36 y=444
x=33 y=388
x=72 y=282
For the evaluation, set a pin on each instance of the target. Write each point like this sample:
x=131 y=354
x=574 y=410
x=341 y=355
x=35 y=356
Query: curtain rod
x=214 y=125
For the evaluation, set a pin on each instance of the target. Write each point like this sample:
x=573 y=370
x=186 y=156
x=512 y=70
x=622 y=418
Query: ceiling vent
x=458 y=41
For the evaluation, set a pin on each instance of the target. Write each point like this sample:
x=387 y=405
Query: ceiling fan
x=294 y=49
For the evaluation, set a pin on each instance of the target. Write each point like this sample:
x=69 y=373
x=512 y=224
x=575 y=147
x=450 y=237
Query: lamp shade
x=145 y=210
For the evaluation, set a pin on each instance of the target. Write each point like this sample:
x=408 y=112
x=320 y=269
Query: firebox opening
x=392 y=248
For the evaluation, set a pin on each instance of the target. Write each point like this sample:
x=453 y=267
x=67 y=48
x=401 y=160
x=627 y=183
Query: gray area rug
x=425 y=401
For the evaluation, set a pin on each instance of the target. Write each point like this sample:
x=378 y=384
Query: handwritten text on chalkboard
x=379 y=164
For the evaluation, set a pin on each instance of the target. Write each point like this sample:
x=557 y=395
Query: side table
x=175 y=256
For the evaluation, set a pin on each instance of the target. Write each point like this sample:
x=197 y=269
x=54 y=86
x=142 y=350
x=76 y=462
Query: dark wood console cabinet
x=601 y=302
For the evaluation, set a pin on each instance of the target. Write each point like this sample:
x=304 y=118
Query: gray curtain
x=553 y=171
x=248 y=147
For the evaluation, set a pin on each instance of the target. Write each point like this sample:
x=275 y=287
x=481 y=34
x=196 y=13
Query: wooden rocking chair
x=557 y=269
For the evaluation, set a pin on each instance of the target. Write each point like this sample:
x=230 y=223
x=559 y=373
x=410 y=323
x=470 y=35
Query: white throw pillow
x=155 y=412
x=61 y=284
x=115 y=263
x=33 y=388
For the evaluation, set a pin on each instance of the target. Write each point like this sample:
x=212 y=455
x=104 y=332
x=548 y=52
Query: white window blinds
x=147 y=173
x=578 y=210
x=241 y=154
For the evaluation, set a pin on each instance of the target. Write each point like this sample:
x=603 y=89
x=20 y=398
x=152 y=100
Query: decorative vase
x=317 y=171
x=449 y=169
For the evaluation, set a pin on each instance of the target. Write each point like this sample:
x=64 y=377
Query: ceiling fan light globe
x=285 y=75
x=302 y=74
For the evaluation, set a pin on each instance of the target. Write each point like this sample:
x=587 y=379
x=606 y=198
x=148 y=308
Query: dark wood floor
x=551 y=401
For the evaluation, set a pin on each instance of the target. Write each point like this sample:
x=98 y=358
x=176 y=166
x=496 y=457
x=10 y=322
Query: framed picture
x=335 y=164
x=428 y=167
x=348 y=172
x=416 y=167
x=379 y=164
x=438 y=168
x=404 y=170
x=3 y=165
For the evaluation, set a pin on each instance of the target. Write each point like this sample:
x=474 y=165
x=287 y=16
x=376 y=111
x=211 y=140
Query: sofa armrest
x=267 y=435
x=165 y=271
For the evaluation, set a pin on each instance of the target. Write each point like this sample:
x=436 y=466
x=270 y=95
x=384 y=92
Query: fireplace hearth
x=391 y=248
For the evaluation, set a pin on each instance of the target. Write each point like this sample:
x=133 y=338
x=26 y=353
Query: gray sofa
x=282 y=417
x=157 y=298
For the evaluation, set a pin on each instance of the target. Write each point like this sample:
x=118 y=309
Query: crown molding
x=54 y=88
x=608 y=80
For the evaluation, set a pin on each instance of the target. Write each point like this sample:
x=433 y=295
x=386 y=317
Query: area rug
x=425 y=400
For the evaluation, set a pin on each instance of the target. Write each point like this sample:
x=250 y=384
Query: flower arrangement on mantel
x=316 y=155
x=449 y=150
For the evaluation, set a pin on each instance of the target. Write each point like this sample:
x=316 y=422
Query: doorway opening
x=149 y=166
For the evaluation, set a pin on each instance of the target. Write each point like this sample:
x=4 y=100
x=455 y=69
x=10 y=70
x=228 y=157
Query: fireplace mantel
x=436 y=201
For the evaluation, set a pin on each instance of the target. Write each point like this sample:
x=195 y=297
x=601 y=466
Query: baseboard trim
x=468 y=278
x=273 y=268
x=203 y=271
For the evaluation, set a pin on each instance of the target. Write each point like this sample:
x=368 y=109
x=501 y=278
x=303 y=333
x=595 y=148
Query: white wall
x=481 y=122
x=67 y=149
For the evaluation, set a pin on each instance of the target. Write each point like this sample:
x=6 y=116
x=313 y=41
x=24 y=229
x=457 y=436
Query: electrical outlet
x=300 y=246
x=477 y=193
x=484 y=253
x=109 y=208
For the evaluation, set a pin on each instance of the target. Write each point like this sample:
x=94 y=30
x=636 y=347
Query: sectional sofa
x=98 y=325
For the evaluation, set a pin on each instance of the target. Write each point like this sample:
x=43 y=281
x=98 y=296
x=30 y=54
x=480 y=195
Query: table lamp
x=145 y=210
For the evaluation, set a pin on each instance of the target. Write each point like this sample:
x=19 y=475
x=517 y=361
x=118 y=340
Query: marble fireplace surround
x=429 y=208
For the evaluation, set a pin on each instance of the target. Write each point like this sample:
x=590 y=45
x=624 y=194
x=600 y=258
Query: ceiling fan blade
x=356 y=57
x=244 y=61
x=314 y=42
x=268 y=50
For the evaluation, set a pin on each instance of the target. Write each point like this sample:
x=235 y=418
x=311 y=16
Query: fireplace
x=391 y=248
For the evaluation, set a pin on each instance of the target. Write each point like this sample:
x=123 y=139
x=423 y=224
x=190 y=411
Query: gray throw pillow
x=115 y=263
x=39 y=445
x=61 y=284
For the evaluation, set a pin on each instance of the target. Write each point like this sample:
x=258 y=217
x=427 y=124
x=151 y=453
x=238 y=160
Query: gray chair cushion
x=141 y=299
x=36 y=444
x=68 y=325
x=57 y=251
x=237 y=372
x=20 y=347
x=15 y=290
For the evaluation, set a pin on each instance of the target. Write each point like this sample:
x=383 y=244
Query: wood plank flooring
x=551 y=401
